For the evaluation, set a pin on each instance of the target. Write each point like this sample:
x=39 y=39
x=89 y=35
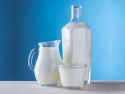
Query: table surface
x=32 y=87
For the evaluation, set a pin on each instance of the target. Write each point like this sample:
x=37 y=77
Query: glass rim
x=72 y=66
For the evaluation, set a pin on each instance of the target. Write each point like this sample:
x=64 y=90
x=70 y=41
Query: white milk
x=76 y=45
x=46 y=68
x=72 y=77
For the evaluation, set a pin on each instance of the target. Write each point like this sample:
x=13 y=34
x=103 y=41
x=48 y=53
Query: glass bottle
x=76 y=42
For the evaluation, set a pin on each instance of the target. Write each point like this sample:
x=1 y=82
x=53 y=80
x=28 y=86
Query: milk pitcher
x=46 y=67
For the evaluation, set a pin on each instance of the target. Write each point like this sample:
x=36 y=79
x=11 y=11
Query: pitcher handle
x=32 y=52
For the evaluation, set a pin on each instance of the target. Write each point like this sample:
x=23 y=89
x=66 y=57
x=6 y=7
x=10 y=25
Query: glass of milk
x=72 y=76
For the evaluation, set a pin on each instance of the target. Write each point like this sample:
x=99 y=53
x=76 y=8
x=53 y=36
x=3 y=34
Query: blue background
x=24 y=23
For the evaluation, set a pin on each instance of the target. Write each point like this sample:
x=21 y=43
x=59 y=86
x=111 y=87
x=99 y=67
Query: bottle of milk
x=76 y=42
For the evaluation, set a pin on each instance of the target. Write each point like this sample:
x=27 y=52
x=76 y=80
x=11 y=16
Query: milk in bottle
x=76 y=42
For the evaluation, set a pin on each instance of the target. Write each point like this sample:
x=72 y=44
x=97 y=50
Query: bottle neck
x=76 y=14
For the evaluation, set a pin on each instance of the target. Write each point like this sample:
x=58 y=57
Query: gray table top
x=32 y=87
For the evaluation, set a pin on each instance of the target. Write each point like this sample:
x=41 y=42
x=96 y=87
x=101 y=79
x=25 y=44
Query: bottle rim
x=76 y=6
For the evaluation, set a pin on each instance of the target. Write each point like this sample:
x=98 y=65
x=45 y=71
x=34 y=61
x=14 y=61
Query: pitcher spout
x=50 y=43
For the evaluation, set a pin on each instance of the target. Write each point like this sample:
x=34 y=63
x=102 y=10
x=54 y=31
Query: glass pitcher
x=46 y=67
